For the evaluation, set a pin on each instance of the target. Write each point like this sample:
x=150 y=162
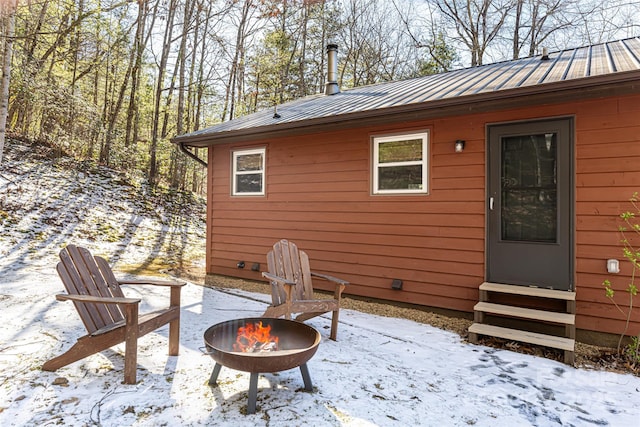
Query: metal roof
x=579 y=67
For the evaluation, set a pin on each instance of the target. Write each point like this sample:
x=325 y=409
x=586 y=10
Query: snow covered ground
x=380 y=372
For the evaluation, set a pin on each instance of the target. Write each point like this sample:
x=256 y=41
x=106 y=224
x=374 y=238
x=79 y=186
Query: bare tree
x=426 y=33
x=476 y=22
x=535 y=21
x=140 y=41
x=599 y=21
x=178 y=163
x=376 y=46
x=164 y=58
x=235 y=84
x=8 y=11
x=112 y=109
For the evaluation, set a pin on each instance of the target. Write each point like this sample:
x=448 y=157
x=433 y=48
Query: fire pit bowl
x=298 y=343
x=291 y=345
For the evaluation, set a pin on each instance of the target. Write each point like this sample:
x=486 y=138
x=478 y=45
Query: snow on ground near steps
x=380 y=372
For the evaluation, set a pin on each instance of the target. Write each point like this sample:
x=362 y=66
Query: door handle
x=490 y=203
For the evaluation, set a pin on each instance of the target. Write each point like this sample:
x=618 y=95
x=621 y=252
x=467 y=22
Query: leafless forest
x=111 y=81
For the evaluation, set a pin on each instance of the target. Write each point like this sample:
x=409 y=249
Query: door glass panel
x=529 y=188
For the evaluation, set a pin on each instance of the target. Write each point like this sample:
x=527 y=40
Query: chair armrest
x=276 y=294
x=330 y=278
x=175 y=287
x=94 y=299
x=171 y=283
x=277 y=279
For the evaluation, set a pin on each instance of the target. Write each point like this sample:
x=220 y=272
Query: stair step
x=526 y=313
x=561 y=343
x=528 y=291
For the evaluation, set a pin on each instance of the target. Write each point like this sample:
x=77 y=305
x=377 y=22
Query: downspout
x=190 y=154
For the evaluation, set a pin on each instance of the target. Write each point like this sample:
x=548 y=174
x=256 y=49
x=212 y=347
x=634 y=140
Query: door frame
x=571 y=173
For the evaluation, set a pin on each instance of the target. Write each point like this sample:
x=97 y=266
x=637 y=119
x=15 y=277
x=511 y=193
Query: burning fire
x=255 y=338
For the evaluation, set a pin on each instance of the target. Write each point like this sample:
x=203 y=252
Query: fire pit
x=258 y=345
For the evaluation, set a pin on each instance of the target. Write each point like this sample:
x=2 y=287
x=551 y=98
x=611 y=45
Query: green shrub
x=628 y=231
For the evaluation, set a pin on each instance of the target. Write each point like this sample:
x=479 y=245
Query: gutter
x=184 y=149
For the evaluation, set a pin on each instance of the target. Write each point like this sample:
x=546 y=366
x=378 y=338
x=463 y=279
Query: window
x=400 y=164
x=248 y=172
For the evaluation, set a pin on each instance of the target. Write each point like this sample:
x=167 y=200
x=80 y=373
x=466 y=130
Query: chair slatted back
x=84 y=274
x=285 y=260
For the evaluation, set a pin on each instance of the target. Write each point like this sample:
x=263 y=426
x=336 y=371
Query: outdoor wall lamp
x=613 y=266
x=459 y=147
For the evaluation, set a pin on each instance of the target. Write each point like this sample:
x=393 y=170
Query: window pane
x=400 y=151
x=400 y=178
x=249 y=162
x=529 y=188
x=249 y=183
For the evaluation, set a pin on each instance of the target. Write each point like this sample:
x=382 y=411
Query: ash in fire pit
x=261 y=345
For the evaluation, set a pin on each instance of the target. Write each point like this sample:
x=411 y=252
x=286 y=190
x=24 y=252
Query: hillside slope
x=47 y=203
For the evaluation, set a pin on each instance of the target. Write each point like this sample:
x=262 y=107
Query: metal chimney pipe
x=331 y=87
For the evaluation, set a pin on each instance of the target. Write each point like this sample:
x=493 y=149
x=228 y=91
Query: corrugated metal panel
x=580 y=63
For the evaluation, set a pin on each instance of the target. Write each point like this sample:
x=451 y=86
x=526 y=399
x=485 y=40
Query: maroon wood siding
x=318 y=194
x=607 y=175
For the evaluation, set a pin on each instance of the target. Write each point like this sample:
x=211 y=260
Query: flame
x=253 y=337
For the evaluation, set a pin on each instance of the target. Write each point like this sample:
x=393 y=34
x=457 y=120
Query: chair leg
x=334 y=325
x=174 y=325
x=131 y=343
x=174 y=337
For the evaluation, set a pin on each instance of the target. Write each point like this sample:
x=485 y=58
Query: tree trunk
x=131 y=132
x=516 y=30
x=114 y=112
x=236 y=66
x=22 y=106
x=8 y=10
x=166 y=46
x=178 y=160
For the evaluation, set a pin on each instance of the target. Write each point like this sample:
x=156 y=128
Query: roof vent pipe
x=545 y=54
x=331 y=87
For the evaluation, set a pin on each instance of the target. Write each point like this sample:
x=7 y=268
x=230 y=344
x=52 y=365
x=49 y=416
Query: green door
x=530 y=204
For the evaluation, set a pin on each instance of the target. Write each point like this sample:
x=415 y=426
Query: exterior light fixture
x=613 y=266
x=459 y=147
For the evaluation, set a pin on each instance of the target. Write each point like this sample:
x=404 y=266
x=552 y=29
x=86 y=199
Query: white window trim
x=235 y=172
x=424 y=162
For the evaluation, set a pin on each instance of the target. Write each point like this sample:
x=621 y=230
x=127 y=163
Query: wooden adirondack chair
x=109 y=317
x=292 y=288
